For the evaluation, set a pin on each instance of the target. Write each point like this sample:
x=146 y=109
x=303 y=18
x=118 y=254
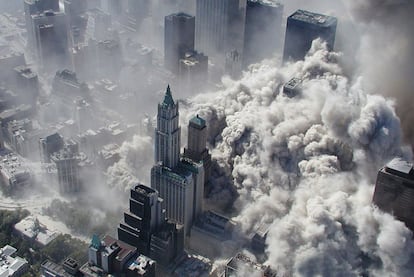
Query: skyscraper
x=178 y=39
x=51 y=39
x=193 y=71
x=32 y=7
x=302 y=28
x=168 y=133
x=196 y=147
x=394 y=190
x=263 y=30
x=146 y=227
x=146 y=214
x=220 y=26
x=177 y=181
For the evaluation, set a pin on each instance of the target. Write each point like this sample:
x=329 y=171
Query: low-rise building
x=14 y=173
x=112 y=256
x=11 y=266
x=30 y=228
x=69 y=268
x=241 y=265
x=212 y=235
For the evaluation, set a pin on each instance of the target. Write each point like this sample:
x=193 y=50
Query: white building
x=11 y=266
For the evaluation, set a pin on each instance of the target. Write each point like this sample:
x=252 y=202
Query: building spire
x=168 y=99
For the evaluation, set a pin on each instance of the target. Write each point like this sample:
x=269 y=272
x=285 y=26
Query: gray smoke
x=385 y=53
x=306 y=166
x=134 y=165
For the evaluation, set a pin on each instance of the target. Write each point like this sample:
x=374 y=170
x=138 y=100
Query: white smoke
x=306 y=164
x=134 y=165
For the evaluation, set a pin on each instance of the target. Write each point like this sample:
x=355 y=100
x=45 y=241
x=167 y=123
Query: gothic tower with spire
x=176 y=181
x=167 y=133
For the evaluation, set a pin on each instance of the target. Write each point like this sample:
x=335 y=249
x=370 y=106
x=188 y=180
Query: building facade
x=167 y=133
x=196 y=146
x=146 y=214
x=220 y=26
x=50 y=32
x=179 y=38
x=32 y=7
x=178 y=182
x=193 y=71
x=394 y=190
x=145 y=227
x=263 y=30
x=302 y=28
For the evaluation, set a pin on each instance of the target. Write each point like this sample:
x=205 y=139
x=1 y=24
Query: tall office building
x=177 y=181
x=168 y=132
x=51 y=36
x=179 y=35
x=302 y=28
x=72 y=167
x=49 y=145
x=32 y=7
x=145 y=227
x=263 y=30
x=193 y=71
x=394 y=190
x=196 y=147
x=146 y=214
x=220 y=26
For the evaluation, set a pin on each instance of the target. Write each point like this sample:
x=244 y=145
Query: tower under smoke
x=302 y=28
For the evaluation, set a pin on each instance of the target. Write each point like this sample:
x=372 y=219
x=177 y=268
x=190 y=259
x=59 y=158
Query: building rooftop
x=140 y=188
x=215 y=225
x=31 y=228
x=401 y=168
x=56 y=269
x=25 y=71
x=400 y=165
x=14 y=169
x=198 y=121
x=266 y=3
x=9 y=266
x=141 y=264
x=112 y=244
x=194 y=265
x=243 y=263
x=181 y=15
x=313 y=18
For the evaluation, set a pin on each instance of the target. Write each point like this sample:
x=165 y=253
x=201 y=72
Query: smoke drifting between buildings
x=299 y=165
x=302 y=164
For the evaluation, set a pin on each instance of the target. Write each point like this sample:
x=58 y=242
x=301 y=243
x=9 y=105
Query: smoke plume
x=306 y=166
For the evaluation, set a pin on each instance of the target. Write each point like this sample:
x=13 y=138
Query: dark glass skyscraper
x=302 y=28
x=178 y=39
x=146 y=214
x=263 y=31
x=51 y=39
x=394 y=190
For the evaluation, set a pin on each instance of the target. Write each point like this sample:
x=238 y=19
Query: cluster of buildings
x=165 y=219
x=229 y=32
x=11 y=265
x=168 y=217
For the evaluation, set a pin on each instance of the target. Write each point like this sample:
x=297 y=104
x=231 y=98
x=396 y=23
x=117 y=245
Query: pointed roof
x=96 y=242
x=168 y=99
